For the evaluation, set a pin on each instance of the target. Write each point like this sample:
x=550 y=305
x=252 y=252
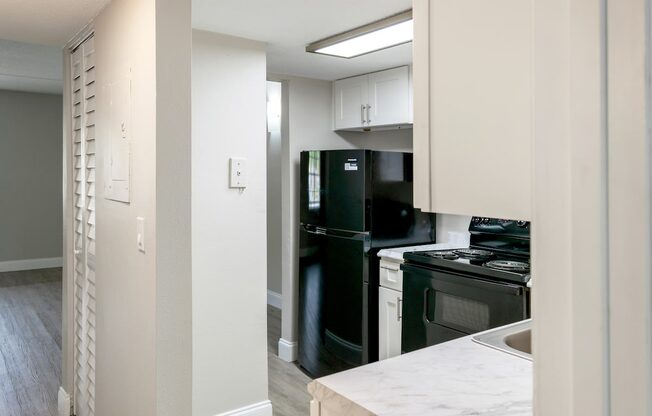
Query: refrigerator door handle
x=311 y=229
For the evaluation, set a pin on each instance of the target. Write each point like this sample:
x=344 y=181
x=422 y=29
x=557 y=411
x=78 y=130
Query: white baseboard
x=63 y=403
x=257 y=409
x=30 y=264
x=287 y=350
x=274 y=299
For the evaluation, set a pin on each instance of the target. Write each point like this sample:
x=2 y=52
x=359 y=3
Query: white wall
x=390 y=140
x=309 y=122
x=173 y=209
x=447 y=223
x=228 y=225
x=309 y=125
x=143 y=355
x=592 y=288
x=126 y=279
x=30 y=177
x=274 y=188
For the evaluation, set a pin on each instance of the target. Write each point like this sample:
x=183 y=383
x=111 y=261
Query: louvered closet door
x=83 y=137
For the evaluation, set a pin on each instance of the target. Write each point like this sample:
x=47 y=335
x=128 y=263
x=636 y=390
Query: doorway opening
x=31 y=114
x=287 y=383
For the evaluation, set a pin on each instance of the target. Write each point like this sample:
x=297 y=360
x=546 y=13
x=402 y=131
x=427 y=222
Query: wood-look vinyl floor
x=30 y=342
x=287 y=384
x=30 y=350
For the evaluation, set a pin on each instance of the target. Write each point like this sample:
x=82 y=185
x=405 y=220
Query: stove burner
x=474 y=254
x=509 y=266
x=446 y=255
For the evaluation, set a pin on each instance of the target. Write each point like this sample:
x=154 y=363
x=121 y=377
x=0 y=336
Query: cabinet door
x=389 y=97
x=351 y=97
x=477 y=113
x=389 y=320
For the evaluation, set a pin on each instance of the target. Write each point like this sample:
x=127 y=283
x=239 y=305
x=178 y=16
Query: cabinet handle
x=368 y=114
x=398 y=309
x=362 y=107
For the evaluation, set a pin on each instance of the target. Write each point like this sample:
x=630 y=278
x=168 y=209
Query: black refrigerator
x=352 y=204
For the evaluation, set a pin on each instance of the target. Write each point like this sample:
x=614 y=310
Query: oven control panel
x=499 y=226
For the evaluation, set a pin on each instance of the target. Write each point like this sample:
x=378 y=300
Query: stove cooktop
x=481 y=263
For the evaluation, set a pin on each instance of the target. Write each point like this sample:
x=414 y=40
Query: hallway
x=30 y=349
x=30 y=342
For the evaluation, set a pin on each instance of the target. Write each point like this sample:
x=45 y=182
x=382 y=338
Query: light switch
x=238 y=169
x=140 y=233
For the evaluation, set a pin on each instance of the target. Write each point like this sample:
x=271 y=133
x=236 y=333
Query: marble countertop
x=456 y=378
x=397 y=253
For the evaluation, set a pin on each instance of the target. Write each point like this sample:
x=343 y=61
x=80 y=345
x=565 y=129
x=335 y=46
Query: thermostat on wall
x=238 y=170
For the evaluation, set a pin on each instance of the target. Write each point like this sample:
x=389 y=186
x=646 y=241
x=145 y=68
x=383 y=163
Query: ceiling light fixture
x=382 y=34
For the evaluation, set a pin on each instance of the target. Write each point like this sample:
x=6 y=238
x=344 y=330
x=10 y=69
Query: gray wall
x=30 y=175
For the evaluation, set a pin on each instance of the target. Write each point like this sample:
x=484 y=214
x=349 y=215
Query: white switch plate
x=238 y=170
x=140 y=233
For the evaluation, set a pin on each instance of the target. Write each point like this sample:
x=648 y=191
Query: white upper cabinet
x=389 y=97
x=379 y=99
x=351 y=96
x=473 y=107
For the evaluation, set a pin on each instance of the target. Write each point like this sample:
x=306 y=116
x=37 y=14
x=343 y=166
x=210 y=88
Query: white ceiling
x=46 y=22
x=32 y=34
x=289 y=25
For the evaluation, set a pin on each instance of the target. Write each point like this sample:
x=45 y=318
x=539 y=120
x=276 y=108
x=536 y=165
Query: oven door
x=439 y=306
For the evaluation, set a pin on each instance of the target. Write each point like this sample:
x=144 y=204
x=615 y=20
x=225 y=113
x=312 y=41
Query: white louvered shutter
x=84 y=163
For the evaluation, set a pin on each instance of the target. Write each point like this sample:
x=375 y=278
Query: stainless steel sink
x=515 y=339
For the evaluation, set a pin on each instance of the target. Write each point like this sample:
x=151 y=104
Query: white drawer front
x=391 y=275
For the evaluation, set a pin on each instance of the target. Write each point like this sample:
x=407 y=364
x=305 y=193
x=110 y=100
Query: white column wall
x=228 y=225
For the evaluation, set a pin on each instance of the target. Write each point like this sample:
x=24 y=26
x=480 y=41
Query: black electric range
x=477 y=262
x=449 y=294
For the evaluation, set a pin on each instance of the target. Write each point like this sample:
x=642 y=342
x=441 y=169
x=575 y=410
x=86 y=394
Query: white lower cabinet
x=389 y=319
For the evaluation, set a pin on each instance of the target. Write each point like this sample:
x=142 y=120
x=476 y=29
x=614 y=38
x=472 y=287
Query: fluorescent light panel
x=392 y=31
